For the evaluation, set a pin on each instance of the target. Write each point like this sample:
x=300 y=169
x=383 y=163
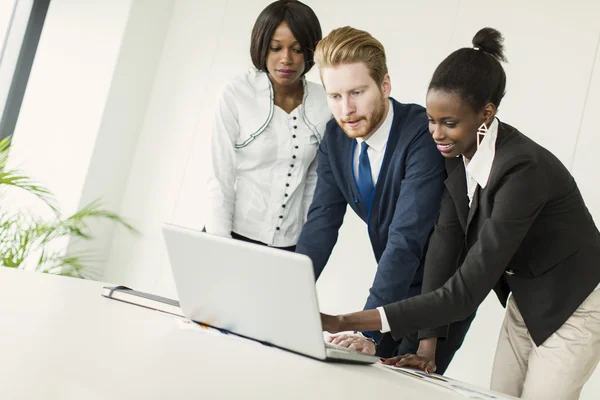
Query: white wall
x=123 y=116
x=584 y=168
x=66 y=94
x=62 y=109
x=586 y=155
x=85 y=103
x=552 y=96
x=169 y=170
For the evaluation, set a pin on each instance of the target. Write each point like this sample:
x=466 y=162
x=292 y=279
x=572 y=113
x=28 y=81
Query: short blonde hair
x=348 y=45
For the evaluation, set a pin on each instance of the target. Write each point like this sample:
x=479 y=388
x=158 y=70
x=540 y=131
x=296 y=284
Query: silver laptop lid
x=255 y=291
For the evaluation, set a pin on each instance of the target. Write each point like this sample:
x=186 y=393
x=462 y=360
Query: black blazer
x=528 y=232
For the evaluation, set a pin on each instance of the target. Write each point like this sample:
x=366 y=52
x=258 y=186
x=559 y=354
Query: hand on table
x=424 y=363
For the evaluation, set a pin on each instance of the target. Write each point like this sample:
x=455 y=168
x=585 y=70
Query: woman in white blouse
x=268 y=126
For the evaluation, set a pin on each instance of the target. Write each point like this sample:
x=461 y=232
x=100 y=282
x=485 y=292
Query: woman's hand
x=423 y=360
x=412 y=361
x=331 y=323
x=364 y=321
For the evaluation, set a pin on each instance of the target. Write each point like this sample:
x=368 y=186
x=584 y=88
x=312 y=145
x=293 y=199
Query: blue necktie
x=365 y=179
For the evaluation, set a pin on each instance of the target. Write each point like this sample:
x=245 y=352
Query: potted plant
x=24 y=236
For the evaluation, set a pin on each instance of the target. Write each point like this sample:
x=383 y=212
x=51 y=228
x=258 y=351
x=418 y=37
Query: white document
x=465 y=389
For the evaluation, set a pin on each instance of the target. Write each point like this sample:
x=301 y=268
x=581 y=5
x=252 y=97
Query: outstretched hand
x=331 y=323
x=367 y=320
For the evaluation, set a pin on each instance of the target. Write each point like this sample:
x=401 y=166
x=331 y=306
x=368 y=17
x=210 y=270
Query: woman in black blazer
x=513 y=220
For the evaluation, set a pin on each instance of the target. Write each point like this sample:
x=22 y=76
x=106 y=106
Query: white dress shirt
x=478 y=169
x=264 y=166
x=377 y=145
x=376 y=152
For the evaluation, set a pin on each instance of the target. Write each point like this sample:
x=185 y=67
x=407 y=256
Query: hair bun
x=490 y=41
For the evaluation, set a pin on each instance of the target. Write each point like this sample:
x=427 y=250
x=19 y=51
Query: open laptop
x=254 y=291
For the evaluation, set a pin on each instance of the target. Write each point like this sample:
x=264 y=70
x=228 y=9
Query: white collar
x=480 y=166
x=378 y=140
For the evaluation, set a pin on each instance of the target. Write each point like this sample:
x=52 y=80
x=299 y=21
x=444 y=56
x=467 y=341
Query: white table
x=60 y=339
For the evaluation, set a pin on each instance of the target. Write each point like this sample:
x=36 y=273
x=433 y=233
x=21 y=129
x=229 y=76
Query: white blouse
x=263 y=183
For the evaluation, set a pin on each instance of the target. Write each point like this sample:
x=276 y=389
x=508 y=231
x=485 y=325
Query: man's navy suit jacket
x=404 y=206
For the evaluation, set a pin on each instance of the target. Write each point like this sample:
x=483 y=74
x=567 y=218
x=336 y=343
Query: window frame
x=20 y=69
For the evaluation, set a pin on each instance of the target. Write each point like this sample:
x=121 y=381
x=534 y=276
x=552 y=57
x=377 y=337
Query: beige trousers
x=558 y=368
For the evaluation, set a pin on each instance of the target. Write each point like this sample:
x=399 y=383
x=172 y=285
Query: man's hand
x=354 y=342
x=331 y=323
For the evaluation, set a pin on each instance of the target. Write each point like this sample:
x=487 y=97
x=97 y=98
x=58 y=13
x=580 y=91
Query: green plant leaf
x=14 y=178
x=23 y=235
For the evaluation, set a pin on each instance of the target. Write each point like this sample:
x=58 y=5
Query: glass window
x=6 y=12
x=21 y=23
